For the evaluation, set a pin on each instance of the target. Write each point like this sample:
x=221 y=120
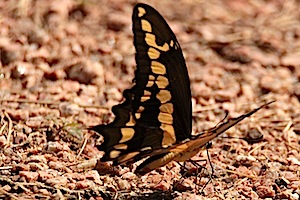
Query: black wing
x=157 y=109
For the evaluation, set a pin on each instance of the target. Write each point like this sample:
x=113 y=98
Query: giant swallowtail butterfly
x=155 y=120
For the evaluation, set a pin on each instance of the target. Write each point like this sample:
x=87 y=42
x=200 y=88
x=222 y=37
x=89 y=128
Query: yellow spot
x=162 y=82
x=131 y=121
x=141 y=109
x=128 y=156
x=142 y=11
x=146 y=26
x=167 y=128
x=127 y=134
x=138 y=112
x=169 y=135
x=138 y=115
x=153 y=53
x=145 y=98
x=158 y=68
x=150 y=84
x=165 y=118
x=166 y=108
x=121 y=146
x=151 y=78
x=171 y=43
x=164 y=96
x=145 y=148
x=151 y=41
x=147 y=93
x=114 y=153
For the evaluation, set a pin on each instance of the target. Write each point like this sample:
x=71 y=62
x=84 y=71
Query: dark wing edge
x=220 y=128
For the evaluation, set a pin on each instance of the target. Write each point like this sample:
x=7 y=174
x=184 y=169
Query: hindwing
x=185 y=150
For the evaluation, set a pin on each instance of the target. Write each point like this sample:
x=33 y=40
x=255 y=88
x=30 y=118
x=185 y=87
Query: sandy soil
x=64 y=64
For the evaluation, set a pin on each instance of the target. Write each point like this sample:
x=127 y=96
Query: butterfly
x=155 y=120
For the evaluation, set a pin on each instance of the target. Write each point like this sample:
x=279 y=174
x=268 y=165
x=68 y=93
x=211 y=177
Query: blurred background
x=64 y=64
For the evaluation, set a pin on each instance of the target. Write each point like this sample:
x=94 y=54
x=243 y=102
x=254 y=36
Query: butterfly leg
x=198 y=166
x=179 y=184
x=186 y=172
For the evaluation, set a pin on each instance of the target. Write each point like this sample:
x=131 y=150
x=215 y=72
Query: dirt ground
x=64 y=64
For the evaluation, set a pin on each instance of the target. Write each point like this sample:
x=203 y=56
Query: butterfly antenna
x=220 y=122
x=226 y=115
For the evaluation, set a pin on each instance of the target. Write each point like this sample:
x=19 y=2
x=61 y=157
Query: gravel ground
x=64 y=64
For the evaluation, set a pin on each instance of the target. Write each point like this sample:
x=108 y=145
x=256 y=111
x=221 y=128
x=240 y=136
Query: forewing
x=161 y=70
x=157 y=109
